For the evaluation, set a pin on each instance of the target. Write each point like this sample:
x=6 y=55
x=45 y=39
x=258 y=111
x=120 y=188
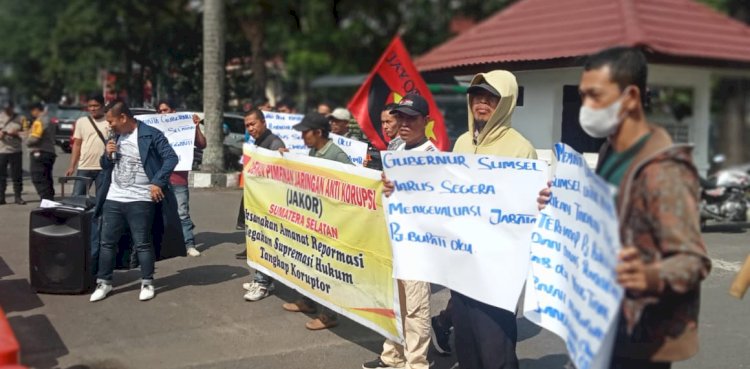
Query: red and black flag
x=393 y=77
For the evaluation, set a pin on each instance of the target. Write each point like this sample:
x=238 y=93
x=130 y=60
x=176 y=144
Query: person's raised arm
x=200 y=139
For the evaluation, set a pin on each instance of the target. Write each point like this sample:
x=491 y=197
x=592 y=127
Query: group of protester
x=131 y=166
x=663 y=259
x=661 y=265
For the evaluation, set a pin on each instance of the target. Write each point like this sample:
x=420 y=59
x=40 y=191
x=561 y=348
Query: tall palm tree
x=213 y=83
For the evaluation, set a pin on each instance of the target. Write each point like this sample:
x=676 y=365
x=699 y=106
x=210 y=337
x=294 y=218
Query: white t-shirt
x=427 y=146
x=129 y=180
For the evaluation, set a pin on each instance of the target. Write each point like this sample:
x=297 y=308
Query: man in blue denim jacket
x=136 y=164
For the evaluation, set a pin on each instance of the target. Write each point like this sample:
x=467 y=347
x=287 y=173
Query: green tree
x=57 y=47
x=25 y=26
x=318 y=37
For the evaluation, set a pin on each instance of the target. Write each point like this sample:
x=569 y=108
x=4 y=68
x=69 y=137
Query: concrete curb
x=213 y=180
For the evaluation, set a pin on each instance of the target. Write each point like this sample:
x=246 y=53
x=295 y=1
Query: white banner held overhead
x=463 y=221
x=180 y=132
x=356 y=150
x=572 y=288
x=281 y=125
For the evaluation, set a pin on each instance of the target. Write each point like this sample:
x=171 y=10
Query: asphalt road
x=199 y=319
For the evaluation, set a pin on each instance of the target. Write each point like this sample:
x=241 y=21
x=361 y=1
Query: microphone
x=112 y=137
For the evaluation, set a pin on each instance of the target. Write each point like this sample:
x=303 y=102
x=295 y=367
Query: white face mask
x=601 y=123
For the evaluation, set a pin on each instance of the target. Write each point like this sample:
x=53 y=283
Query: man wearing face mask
x=663 y=257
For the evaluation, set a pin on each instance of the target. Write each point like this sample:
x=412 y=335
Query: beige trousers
x=415 y=313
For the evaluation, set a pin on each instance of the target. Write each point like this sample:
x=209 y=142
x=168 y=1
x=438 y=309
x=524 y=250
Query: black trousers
x=445 y=317
x=41 y=163
x=485 y=335
x=14 y=162
x=241 y=213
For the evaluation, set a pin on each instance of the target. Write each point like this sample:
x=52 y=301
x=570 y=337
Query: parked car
x=141 y=111
x=234 y=138
x=64 y=118
x=233 y=128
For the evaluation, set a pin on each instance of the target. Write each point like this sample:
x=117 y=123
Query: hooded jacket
x=497 y=137
x=657 y=204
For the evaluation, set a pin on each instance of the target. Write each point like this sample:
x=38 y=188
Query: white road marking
x=730 y=266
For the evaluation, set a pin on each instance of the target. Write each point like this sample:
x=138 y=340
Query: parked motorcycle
x=725 y=196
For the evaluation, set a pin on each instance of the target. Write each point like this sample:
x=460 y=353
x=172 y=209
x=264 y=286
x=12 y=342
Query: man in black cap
x=315 y=129
x=483 y=100
x=11 y=125
x=412 y=115
x=485 y=335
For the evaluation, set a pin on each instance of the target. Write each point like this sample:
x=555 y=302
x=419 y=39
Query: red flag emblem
x=393 y=77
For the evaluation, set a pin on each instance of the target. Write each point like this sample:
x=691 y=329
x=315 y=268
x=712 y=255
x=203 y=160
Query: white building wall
x=540 y=117
x=699 y=79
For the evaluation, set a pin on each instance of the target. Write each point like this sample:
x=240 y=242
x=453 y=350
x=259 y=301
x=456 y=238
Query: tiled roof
x=536 y=30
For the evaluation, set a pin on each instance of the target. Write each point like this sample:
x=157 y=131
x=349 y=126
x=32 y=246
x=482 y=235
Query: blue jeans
x=262 y=279
x=183 y=210
x=139 y=216
x=79 y=188
x=95 y=246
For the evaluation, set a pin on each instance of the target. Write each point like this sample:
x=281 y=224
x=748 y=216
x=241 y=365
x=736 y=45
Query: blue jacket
x=157 y=156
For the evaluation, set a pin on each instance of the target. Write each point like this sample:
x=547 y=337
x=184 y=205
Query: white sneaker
x=147 y=292
x=250 y=286
x=102 y=290
x=193 y=252
x=258 y=293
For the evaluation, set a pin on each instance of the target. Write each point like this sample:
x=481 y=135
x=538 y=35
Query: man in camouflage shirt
x=663 y=257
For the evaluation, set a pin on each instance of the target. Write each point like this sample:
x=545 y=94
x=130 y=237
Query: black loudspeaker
x=59 y=250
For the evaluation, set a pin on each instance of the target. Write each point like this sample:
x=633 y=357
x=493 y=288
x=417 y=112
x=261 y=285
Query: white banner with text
x=355 y=150
x=281 y=125
x=180 y=132
x=463 y=221
x=572 y=288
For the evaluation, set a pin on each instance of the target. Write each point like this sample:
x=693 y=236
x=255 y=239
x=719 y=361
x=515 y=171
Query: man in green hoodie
x=485 y=335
